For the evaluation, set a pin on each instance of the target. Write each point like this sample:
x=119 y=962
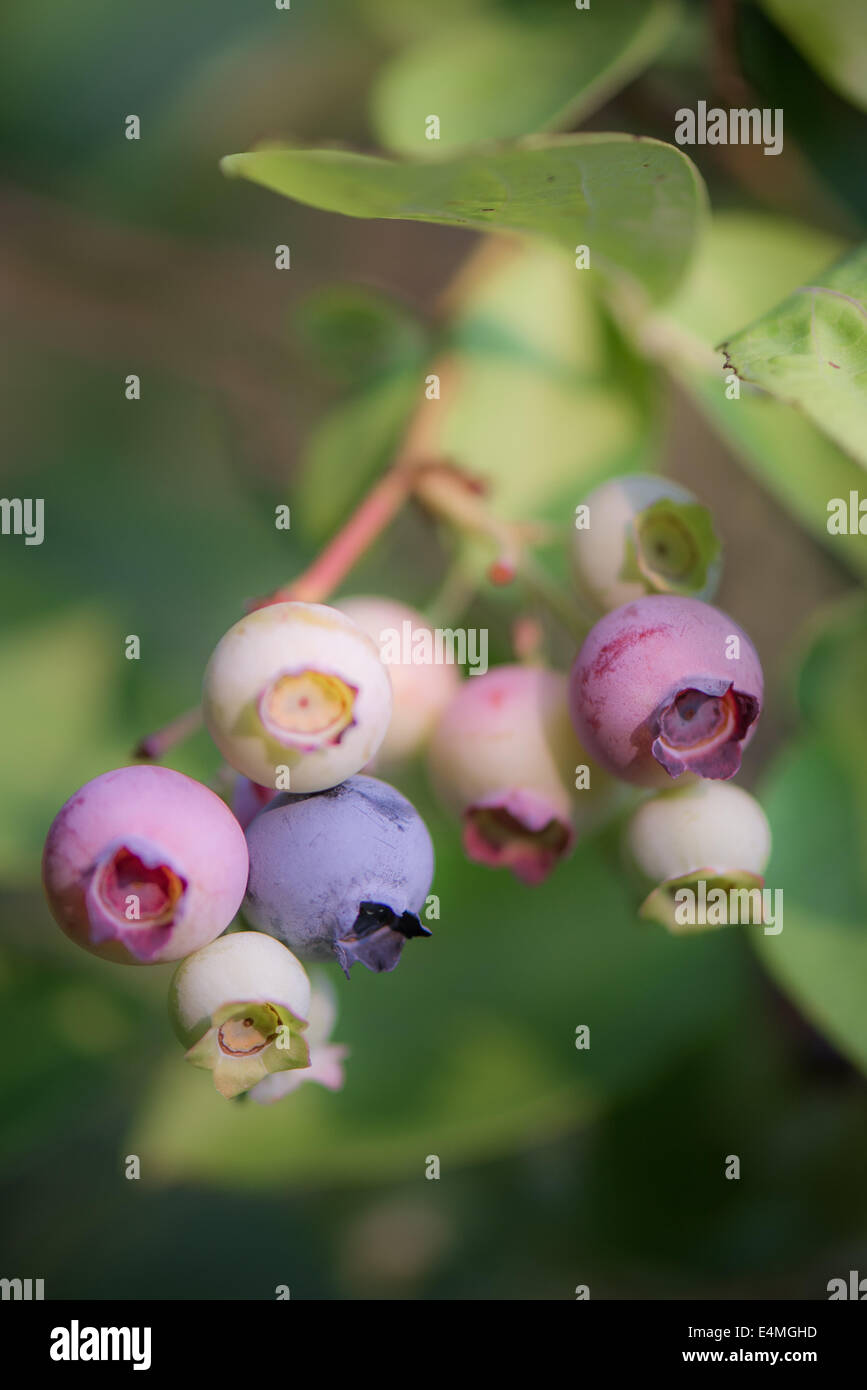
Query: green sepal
x=660 y=907
x=672 y=548
x=285 y=1049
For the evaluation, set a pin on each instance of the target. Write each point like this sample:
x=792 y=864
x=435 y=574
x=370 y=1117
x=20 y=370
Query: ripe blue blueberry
x=343 y=873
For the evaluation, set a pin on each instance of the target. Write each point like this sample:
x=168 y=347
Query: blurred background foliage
x=559 y=1166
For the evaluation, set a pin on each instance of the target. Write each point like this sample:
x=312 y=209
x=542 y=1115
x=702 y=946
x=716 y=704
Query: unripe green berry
x=645 y=535
x=705 y=830
x=239 y=1006
x=296 y=686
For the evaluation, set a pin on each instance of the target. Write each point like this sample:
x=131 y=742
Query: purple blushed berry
x=666 y=685
x=144 y=865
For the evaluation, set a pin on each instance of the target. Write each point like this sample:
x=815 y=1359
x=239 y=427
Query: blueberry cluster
x=144 y=865
x=330 y=864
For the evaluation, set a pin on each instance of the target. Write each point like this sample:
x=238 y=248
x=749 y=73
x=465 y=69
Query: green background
x=559 y=1167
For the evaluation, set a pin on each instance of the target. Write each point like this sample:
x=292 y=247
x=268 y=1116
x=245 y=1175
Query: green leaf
x=746 y=264
x=832 y=35
x=820 y=956
x=811 y=350
x=816 y=800
x=637 y=203
x=357 y=333
x=501 y=75
x=797 y=464
x=831 y=686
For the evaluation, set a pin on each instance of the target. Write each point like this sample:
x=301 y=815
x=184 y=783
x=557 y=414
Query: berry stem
x=368 y=521
x=157 y=744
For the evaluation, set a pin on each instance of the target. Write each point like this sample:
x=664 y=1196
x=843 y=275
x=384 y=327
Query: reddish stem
x=378 y=509
x=156 y=745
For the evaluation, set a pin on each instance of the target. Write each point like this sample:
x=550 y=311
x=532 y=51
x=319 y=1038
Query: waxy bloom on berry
x=240 y=1007
x=663 y=686
x=711 y=831
x=643 y=535
x=341 y=875
x=503 y=758
x=326 y=1057
x=297 y=686
x=144 y=865
x=421 y=687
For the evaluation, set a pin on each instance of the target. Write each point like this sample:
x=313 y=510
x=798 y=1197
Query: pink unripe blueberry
x=421 y=685
x=702 y=830
x=643 y=534
x=240 y=1007
x=297 y=689
x=144 y=865
x=503 y=757
x=666 y=685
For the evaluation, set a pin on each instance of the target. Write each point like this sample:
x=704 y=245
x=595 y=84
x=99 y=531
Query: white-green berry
x=296 y=697
x=708 y=830
x=642 y=534
x=240 y=1006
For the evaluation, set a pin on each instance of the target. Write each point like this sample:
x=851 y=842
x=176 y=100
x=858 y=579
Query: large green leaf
x=473 y=1047
x=746 y=264
x=816 y=799
x=820 y=956
x=503 y=73
x=637 y=203
x=811 y=350
x=832 y=35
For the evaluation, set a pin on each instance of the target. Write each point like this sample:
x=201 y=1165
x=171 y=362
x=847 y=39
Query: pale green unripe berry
x=706 y=837
x=708 y=825
x=240 y=1005
x=296 y=697
x=646 y=535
